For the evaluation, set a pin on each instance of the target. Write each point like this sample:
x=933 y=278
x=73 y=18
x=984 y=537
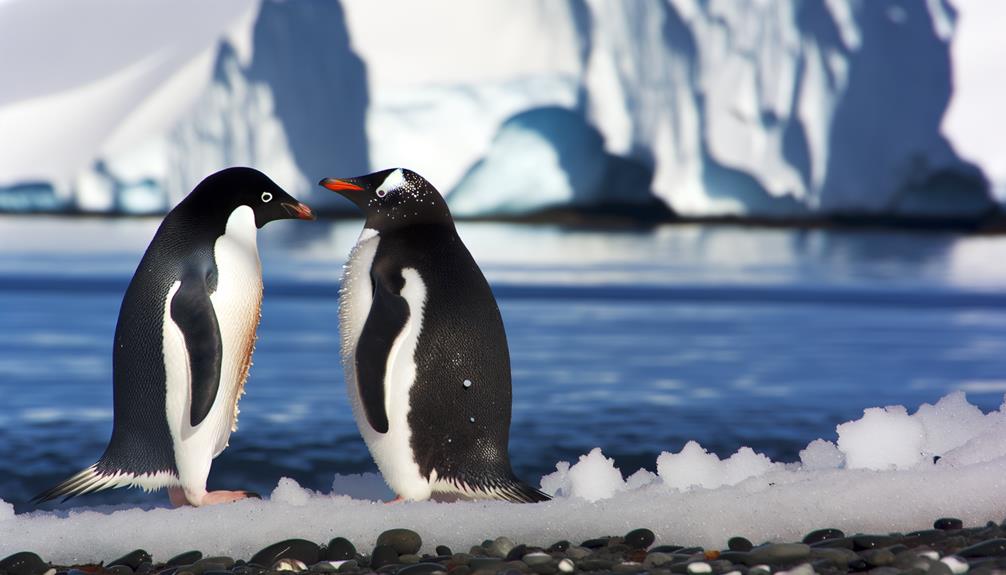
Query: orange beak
x=339 y=185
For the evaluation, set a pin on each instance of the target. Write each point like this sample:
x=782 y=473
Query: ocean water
x=632 y=340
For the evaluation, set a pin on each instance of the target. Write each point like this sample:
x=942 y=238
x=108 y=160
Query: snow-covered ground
x=878 y=477
x=713 y=107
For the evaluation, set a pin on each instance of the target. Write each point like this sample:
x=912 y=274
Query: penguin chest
x=392 y=450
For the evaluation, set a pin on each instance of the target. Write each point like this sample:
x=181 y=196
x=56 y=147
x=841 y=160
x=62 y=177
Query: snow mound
x=695 y=498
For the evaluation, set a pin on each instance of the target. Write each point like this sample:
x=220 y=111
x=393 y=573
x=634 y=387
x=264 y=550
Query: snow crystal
x=884 y=438
x=694 y=499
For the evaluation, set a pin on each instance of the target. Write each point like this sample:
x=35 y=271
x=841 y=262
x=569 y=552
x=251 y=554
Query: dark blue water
x=634 y=341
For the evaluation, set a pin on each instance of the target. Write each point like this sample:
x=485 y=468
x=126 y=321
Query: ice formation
x=695 y=498
x=713 y=107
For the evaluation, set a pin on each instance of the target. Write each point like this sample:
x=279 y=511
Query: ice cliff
x=509 y=106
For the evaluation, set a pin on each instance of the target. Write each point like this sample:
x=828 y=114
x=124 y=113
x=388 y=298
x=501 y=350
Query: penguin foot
x=179 y=498
x=398 y=499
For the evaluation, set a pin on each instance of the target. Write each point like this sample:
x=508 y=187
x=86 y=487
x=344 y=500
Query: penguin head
x=393 y=198
x=227 y=190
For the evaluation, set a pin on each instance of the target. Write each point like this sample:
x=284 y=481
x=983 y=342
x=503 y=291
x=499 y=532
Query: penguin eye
x=381 y=193
x=266 y=197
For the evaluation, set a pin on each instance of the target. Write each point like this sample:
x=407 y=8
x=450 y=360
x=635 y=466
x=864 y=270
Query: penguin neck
x=241 y=228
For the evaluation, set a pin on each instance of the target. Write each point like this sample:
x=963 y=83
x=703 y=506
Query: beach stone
x=294 y=565
x=990 y=548
x=957 y=565
x=424 y=568
x=536 y=558
x=878 y=557
x=404 y=541
x=838 y=557
x=699 y=567
x=24 y=563
x=822 y=535
x=578 y=552
x=545 y=568
x=302 y=550
x=325 y=567
x=566 y=565
x=802 y=569
x=187 y=558
x=560 y=546
x=939 y=568
x=409 y=559
x=349 y=566
x=741 y=544
x=636 y=555
x=383 y=555
x=339 y=549
x=461 y=570
x=737 y=557
x=500 y=547
x=517 y=552
x=484 y=563
x=119 y=570
x=627 y=567
x=595 y=543
x=948 y=524
x=131 y=559
x=837 y=543
x=640 y=538
x=205 y=564
x=690 y=550
x=596 y=564
x=778 y=553
x=860 y=542
x=145 y=567
x=443 y=550
x=666 y=549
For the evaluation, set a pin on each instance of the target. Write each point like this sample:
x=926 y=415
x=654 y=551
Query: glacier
x=709 y=107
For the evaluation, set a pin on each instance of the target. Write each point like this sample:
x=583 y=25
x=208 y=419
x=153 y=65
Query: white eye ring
x=381 y=193
x=266 y=197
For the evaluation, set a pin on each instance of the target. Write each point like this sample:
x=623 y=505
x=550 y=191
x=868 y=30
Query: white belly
x=237 y=304
x=391 y=450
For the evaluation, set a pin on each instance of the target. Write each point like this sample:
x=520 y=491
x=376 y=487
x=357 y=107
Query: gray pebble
x=404 y=541
x=348 y=566
x=566 y=565
x=657 y=559
x=740 y=544
x=838 y=557
x=119 y=570
x=991 y=548
x=822 y=535
x=461 y=558
x=302 y=550
x=779 y=553
x=639 y=538
x=339 y=549
x=627 y=567
x=132 y=559
x=187 y=558
x=536 y=558
x=948 y=524
x=421 y=569
x=484 y=562
x=24 y=563
x=860 y=542
x=877 y=557
x=409 y=559
x=545 y=568
x=578 y=552
x=213 y=564
x=940 y=568
x=500 y=547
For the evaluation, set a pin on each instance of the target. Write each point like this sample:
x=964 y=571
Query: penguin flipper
x=192 y=311
x=389 y=313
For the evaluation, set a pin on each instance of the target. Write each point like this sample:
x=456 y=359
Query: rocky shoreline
x=947 y=549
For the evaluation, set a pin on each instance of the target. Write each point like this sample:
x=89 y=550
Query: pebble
x=132 y=559
x=948 y=524
x=860 y=542
x=991 y=548
x=119 y=570
x=348 y=566
x=566 y=566
x=536 y=558
x=340 y=549
x=187 y=558
x=383 y=555
x=484 y=562
x=822 y=535
x=578 y=552
x=500 y=547
x=595 y=543
x=627 y=567
x=838 y=557
x=699 y=567
x=443 y=550
x=202 y=566
x=957 y=565
x=421 y=569
x=294 y=565
x=779 y=553
x=302 y=550
x=404 y=541
x=24 y=563
x=639 y=538
x=742 y=544
x=878 y=557
x=560 y=546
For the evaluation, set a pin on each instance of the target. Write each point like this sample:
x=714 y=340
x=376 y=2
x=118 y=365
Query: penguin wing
x=192 y=311
x=389 y=313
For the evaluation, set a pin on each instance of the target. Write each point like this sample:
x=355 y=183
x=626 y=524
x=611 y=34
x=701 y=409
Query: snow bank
x=695 y=498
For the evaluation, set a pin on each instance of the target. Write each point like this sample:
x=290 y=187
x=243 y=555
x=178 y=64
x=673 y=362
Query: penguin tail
x=92 y=479
x=516 y=491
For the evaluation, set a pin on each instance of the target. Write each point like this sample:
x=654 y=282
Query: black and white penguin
x=423 y=347
x=184 y=341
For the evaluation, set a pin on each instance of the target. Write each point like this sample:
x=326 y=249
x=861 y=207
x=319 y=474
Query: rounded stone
x=666 y=549
x=443 y=550
x=302 y=550
x=860 y=542
x=383 y=555
x=119 y=570
x=339 y=549
x=627 y=567
x=24 y=563
x=500 y=547
x=294 y=565
x=822 y=535
x=778 y=553
x=596 y=543
x=348 y=566
x=218 y=563
x=187 y=558
x=545 y=568
x=948 y=524
x=517 y=552
x=878 y=557
x=640 y=538
x=477 y=563
x=566 y=565
x=404 y=541
x=132 y=559
x=990 y=548
x=656 y=559
x=578 y=552
x=560 y=546
x=699 y=567
x=536 y=558
x=424 y=568
x=740 y=544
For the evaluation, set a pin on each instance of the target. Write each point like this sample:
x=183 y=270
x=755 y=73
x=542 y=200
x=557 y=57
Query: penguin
x=184 y=341
x=423 y=347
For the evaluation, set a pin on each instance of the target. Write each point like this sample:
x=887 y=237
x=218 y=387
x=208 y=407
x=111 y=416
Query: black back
x=462 y=338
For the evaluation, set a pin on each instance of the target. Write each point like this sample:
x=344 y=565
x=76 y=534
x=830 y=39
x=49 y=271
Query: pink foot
x=215 y=497
x=398 y=499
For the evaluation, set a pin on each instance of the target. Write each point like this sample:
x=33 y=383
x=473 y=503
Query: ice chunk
x=290 y=492
x=821 y=454
x=884 y=438
x=693 y=466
